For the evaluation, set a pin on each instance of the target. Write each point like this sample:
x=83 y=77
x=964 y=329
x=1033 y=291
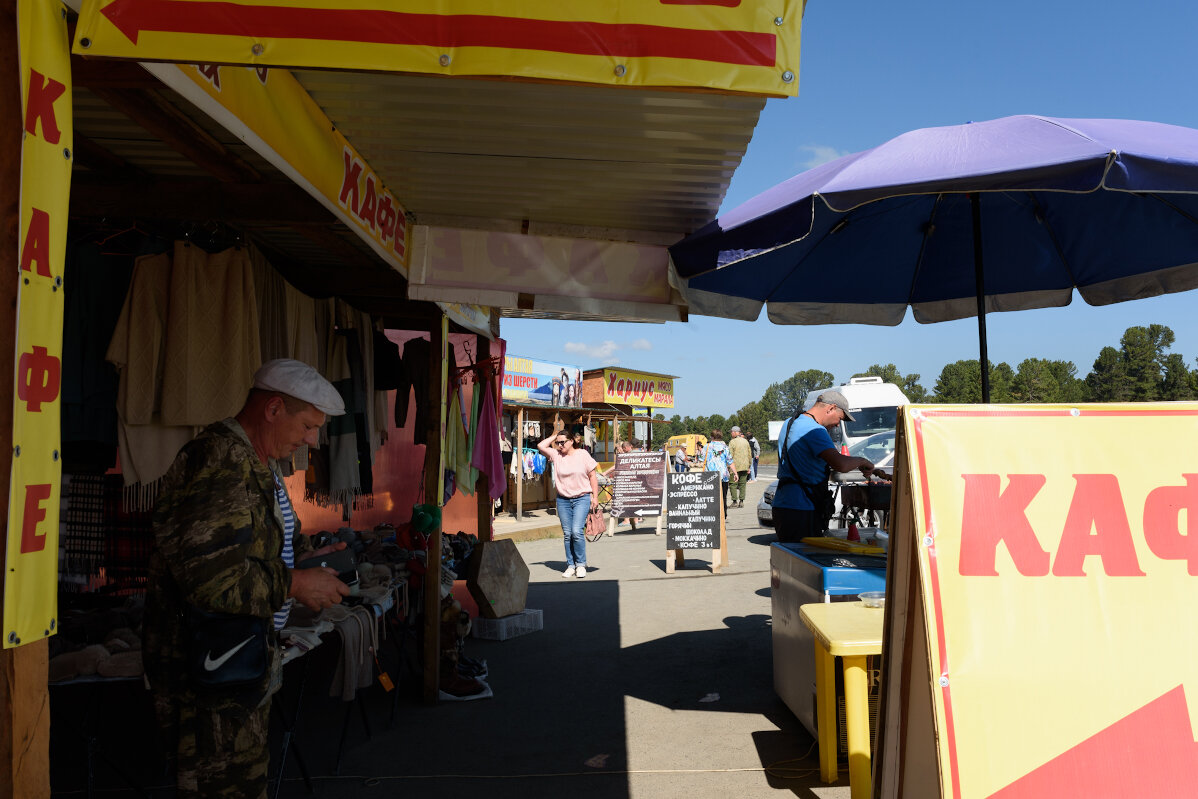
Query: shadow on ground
x=559 y=722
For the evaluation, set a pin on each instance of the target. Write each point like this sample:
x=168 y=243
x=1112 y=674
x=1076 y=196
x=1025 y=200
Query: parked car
x=878 y=448
x=765 y=506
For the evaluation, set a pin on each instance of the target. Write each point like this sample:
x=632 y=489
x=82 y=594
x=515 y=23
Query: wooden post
x=518 y=452
x=720 y=556
x=434 y=476
x=24 y=695
x=482 y=488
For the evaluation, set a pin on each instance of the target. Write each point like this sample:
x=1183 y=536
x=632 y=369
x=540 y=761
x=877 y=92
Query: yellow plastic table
x=850 y=631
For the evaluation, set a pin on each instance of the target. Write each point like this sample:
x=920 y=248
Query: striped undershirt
x=288 y=552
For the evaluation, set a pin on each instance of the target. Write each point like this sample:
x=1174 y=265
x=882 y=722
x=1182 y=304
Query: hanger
x=131 y=229
x=483 y=370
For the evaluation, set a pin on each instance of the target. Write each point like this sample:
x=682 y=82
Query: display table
x=382 y=600
x=850 y=631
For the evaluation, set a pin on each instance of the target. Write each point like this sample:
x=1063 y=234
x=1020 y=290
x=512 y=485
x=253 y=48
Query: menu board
x=693 y=521
x=638 y=484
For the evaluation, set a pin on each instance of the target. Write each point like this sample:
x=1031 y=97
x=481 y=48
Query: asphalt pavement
x=641 y=684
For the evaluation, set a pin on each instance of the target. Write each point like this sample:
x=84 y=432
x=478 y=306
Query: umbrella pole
x=975 y=203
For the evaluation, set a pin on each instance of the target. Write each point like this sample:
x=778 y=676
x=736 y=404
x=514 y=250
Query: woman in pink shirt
x=577 y=486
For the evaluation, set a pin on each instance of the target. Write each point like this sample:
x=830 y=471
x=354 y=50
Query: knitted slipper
x=462 y=689
x=125 y=664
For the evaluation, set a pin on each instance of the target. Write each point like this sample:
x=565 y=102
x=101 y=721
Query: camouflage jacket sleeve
x=217 y=528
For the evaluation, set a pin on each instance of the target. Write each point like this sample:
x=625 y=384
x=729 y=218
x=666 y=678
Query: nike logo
x=211 y=664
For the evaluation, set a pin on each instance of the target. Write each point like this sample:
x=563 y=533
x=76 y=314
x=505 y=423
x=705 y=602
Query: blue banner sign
x=541 y=383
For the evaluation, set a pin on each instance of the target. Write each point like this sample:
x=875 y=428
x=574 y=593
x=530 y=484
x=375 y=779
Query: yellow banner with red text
x=278 y=119
x=1057 y=551
x=626 y=387
x=31 y=565
x=289 y=129
x=723 y=45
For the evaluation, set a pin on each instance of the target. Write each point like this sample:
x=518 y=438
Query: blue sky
x=870 y=71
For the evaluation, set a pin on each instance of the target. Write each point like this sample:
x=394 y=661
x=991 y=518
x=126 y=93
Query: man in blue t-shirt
x=806 y=455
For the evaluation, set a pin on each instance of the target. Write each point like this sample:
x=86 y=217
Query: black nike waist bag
x=225 y=650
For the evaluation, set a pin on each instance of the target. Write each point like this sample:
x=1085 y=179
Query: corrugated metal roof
x=552 y=154
x=549 y=159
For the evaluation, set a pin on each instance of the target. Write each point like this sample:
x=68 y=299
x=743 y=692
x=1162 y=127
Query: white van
x=874 y=405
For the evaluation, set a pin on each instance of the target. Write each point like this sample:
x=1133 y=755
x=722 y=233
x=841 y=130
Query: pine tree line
x=1139 y=370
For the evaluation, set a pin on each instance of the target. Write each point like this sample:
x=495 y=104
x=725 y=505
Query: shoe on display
x=457 y=688
x=469 y=667
x=569 y=572
x=472 y=672
x=581 y=572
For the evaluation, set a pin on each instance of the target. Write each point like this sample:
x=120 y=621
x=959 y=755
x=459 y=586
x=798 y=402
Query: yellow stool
x=852 y=632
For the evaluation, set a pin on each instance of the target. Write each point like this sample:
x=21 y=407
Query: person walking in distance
x=756 y=446
x=742 y=459
x=577 y=483
x=717 y=458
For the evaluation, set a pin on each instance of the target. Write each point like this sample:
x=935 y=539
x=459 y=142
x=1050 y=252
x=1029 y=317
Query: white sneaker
x=569 y=572
x=581 y=572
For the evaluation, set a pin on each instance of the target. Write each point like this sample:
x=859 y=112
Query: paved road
x=641 y=684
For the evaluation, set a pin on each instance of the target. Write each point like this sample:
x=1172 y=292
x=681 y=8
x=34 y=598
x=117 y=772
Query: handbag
x=225 y=650
x=596 y=524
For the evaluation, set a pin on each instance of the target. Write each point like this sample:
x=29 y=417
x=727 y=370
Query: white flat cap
x=301 y=381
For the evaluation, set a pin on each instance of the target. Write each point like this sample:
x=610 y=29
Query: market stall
x=635 y=396
x=196 y=149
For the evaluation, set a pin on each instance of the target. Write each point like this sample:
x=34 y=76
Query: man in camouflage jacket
x=219 y=528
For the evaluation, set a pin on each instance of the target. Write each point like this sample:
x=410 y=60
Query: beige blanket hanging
x=186 y=346
x=212 y=346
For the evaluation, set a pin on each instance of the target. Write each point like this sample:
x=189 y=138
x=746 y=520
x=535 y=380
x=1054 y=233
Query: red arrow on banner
x=1149 y=753
x=624 y=40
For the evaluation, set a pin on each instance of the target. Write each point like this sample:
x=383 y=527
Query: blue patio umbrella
x=1004 y=215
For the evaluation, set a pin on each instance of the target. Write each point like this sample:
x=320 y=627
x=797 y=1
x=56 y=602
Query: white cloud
x=605 y=351
x=600 y=351
x=819 y=154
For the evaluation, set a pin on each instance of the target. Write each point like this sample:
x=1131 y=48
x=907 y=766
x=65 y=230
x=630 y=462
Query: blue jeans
x=753 y=474
x=572 y=513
